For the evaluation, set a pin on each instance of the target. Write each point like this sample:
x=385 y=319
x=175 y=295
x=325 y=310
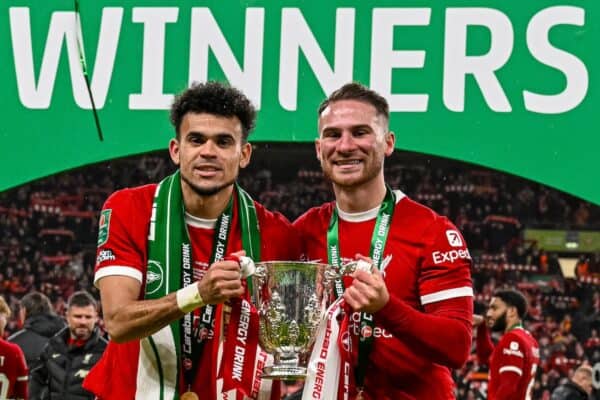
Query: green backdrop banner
x=509 y=85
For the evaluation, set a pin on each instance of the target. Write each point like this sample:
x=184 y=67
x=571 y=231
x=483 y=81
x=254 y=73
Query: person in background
x=40 y=323
x=579 y=387
x=512 y=362
x=13 y=370
x=70 y=354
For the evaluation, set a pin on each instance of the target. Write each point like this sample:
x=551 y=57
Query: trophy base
x=284 y=373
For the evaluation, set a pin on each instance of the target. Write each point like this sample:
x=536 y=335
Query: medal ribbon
x=192 y=344
x=239 y=356
x=378 y=241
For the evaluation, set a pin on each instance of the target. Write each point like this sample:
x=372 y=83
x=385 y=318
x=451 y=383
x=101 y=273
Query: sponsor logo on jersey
x=154 y=277
x=513 y=350
x=105 y=255
x=384 y=264
x=354 y=327
x=103 y=226
x=450 y=256
x=346 y=341
x=454 y=238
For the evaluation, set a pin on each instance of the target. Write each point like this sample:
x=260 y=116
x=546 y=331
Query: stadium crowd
x=48 y=233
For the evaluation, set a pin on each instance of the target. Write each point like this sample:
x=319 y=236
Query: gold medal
x=359 y=395
x=189 y=396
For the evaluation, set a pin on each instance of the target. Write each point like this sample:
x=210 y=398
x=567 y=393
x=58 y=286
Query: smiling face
x=209 y=152
x=353 y=142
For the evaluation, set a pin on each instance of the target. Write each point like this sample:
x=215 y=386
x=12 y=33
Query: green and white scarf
x=160 y=353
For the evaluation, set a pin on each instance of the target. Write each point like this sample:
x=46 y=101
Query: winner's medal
x=359 y=395
x=189 y=395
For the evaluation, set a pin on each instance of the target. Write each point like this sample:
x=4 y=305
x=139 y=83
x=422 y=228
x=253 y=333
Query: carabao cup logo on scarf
x=154 y=277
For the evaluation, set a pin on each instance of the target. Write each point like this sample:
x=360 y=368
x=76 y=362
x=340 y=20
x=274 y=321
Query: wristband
x=188 y=298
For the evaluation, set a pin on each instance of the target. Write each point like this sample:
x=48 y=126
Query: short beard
x=500 y=323
x=86 y=336
x=206 y=192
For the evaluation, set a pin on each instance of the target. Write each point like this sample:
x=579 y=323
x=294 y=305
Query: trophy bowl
x=291 y=297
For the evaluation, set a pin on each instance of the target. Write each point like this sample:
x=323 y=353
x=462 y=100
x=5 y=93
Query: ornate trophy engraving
x=291 y=298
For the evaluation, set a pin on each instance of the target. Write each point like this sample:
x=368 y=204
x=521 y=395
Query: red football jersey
x=517 y=354
x=13 y=371
x=425 y=262
x=123 y=250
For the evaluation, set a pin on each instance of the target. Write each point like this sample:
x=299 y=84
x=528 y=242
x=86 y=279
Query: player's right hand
x=222 y=281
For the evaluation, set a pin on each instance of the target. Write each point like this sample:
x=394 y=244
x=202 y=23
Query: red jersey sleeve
x=484 y=344
x=446 y=264
x=122 y=234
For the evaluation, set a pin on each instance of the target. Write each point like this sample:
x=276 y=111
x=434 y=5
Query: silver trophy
x=291 y=298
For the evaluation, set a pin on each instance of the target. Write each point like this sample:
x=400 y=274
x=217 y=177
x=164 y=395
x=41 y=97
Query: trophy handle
x=331 y=273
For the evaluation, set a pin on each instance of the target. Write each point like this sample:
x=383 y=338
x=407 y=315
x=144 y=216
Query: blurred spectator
x=70 y=354
x=12 y=363
x=579 y=387
x=40 y=324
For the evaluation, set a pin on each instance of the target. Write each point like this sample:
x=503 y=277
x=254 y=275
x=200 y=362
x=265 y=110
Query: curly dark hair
x=513 y=298
x=214 y=98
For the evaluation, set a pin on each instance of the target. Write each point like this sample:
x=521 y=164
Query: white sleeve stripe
x=465 y=291
x=23 y=378
x=119 y=271
x=511 y=368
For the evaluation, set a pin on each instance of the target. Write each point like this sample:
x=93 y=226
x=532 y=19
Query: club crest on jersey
x=154 y=277
x=346 y=341
x=454 y=238
x=103 y=226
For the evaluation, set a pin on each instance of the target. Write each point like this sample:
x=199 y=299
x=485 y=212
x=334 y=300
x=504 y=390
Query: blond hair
x=4 y=308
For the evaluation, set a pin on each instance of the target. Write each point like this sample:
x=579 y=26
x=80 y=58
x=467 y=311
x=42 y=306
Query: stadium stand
x=48 y=233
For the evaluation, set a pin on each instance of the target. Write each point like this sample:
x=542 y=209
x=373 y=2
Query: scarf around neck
x=168 y=247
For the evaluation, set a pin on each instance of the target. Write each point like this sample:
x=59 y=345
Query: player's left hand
x=368 y=291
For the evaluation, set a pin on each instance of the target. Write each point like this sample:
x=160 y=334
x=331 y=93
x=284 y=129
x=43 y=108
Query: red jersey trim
x=465 y=291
